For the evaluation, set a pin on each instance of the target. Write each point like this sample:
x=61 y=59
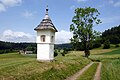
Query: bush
x=106 y=44
x=96 y=44
x=55 y=53
x=65 y=51
x=117 y=45
x=63 y=54
x=6 y=51
x=1 y=51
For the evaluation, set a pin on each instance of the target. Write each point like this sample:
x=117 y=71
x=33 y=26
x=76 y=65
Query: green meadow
x=14 y=66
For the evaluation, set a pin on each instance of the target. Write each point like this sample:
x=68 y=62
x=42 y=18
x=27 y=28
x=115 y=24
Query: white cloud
x=28 y=14
x=11 y=3
x=2 y=8
x=4 y=4
x=16 y=36
x=63 y=37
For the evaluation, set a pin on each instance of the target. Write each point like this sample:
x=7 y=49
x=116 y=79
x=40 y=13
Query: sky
x=18 y=18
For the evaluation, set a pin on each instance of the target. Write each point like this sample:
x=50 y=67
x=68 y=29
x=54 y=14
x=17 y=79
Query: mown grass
x=111 y=70
x=14 y=66
x=89 y=73
x=110 y=64
x=114 y=54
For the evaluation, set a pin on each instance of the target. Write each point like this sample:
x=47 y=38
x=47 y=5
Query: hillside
x=14 y=66
x=113 y=35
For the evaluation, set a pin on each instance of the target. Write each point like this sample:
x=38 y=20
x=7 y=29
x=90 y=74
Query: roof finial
x=47 y=10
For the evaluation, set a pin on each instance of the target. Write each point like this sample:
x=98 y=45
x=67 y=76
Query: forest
x=113 y=35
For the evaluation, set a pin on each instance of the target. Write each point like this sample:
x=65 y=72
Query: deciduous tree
x=82 y=27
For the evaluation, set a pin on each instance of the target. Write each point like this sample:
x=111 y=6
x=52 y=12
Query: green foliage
x=112 y=34
x=83 y=22
x=29 y=48
x=64 y=51
x=62 y=46
x=6 y=47
x=117 y=45
x=106 y=44
x=55 y=53
x=6 y=51
x=96 y=44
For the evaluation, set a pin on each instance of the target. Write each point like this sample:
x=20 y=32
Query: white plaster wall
x=45 y=50
x=51 y=51
x=52 y=34
x=47 y=33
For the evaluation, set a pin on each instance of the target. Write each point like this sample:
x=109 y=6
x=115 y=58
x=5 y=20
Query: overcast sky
x=18 y=18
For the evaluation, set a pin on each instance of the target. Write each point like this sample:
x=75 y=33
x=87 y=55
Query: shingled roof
x=46 y=23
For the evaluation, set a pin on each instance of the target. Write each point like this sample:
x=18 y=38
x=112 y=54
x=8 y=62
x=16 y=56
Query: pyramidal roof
x=46 y=23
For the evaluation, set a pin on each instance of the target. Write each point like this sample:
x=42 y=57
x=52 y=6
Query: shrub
x=63 y=54
x=55 y=53
x=96 y=44
x=117 y=45
x=106 y=44
x=65 y=51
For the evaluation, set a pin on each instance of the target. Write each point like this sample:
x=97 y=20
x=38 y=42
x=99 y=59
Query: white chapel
x=45 y=39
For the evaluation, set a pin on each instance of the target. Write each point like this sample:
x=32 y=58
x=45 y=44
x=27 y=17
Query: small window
x=52 y=38
x=42 y=38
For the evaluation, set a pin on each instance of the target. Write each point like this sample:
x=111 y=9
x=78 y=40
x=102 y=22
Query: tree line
x=6 y=47
x=113 y=35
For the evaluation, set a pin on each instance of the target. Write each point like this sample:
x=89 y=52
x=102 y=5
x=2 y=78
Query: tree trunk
x=86 y=49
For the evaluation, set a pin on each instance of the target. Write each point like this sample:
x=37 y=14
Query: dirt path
x=97 y=74
x=76 y=75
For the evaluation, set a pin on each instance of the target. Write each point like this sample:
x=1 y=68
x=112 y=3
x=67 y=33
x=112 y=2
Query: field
x=110 y=64
x=14 y=66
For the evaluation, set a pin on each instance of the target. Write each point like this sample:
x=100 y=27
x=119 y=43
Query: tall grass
x=14 y=66
x=111 y=70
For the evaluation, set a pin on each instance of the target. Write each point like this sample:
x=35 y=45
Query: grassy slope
x=89 y=74
x=21 y=67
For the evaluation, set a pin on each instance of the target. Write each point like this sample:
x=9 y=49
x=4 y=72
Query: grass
x=111 y=70
x=110 y=64
x=89 y=74
x=114 y=54
x=14 y=66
